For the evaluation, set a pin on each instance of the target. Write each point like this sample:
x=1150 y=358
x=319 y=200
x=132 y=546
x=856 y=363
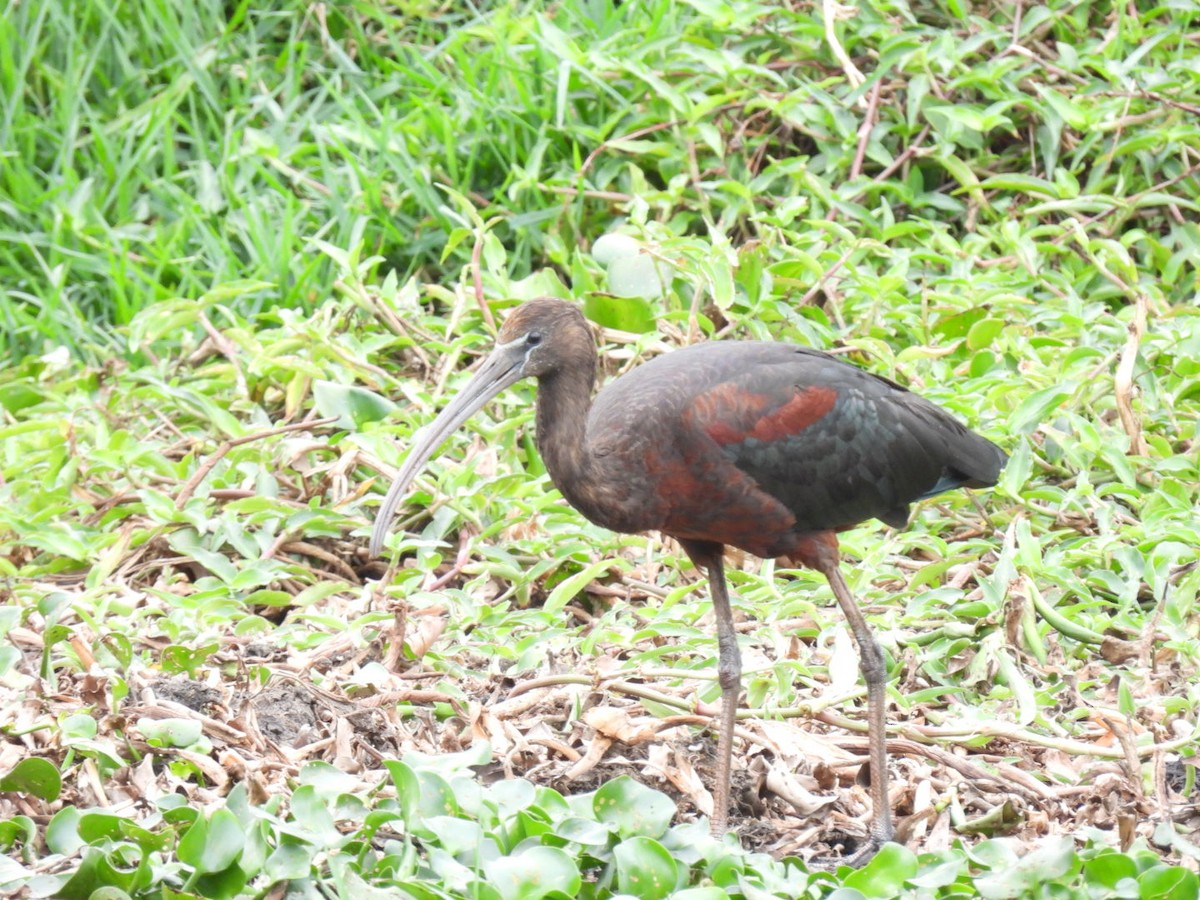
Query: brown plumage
x=770 y=448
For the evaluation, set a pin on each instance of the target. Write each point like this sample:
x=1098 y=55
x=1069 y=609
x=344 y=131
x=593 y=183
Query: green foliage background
x=220 y=218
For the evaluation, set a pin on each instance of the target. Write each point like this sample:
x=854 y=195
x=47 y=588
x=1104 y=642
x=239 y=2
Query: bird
x=771 y=448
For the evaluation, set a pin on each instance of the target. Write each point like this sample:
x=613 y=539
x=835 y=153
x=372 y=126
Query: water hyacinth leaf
x=328 y=781
x=408 y=788
x=171 y=732
x=939 y=874
x=535 y=873
x=645 y=869
x=214 y=844
x=1168 y=883
x=1048 y=860
x=109 y=892
x=633 y=808
x=436 y=795
x=583 y=831
x=1110 y=870
x=886 y=874
x=289 y=861
x=35 y=776
x=460 y=837
x=17 y=830
x=122 y=867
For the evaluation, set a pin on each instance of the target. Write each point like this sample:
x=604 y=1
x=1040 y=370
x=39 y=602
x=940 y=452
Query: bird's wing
x=835 y=444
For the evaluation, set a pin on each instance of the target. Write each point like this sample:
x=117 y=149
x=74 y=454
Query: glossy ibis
x=768 y=447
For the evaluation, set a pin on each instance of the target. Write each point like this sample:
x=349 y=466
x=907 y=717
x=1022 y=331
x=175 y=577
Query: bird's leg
x=874 y=669
x=871 y=661
x=729 y=671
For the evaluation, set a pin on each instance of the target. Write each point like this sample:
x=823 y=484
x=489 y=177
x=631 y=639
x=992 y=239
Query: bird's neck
x=564 y=398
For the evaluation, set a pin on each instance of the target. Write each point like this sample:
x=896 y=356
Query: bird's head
x=539 y=338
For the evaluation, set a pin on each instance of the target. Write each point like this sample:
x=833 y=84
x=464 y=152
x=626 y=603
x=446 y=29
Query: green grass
x=237 y=248
x=160 y=150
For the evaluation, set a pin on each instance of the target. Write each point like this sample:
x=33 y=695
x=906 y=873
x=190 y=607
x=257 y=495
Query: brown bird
x=771 y=448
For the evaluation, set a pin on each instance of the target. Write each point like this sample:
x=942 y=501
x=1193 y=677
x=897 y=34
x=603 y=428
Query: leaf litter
x=578 y=721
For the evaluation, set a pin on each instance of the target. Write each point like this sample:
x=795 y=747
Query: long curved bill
x=501 y=369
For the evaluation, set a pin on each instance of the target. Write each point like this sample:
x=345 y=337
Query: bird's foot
x=856 y=860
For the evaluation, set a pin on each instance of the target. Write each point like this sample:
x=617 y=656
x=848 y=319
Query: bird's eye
x=533 y=339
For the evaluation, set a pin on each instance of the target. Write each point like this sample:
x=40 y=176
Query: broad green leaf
x=959 y=324
x=886 y=873
x=18 y=829
x=171 y=732
x=1168 y=883
x=632 y=277
x=984 y=332
x=633 y=808
x=1110 y=869
x=35 y=776
x=1038 y=406
x=353 y=406
x=437 y=797
x=98 y=826
x=461 y=838
x=535 y=873
x=513 y=794
x=940 y=874
x=566 y=590
x=121 y=867
x=582 y=831
x=645 y=869
x=328 y=781
x=1050 y=859
x=109 y=892
x=633 y=314
x=187 y=660
x=615 y=245
x=408 y=788
x=214 y=844
x=226 y=884
x=290 y=861
x=312 y=819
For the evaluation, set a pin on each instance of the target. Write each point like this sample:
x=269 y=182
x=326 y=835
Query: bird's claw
x=856 y=860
